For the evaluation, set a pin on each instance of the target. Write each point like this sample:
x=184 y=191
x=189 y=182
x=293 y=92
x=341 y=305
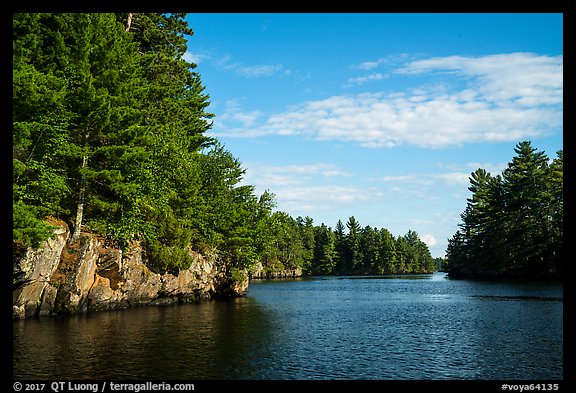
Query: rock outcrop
x=261 y=272
x=87 y=275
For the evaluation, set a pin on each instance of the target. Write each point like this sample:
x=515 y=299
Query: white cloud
x=233 y=113
x=307 y=188
x=526 y=79
x=429 y=239
x=250 y=71
x=259 y=70
x=367 y=78
x=450 y=178
x=368 y=65
x=301 y=199
x=195 y=58
x=504 y=98
x=384 y=61
x=492 y=168
x=455 y=178
x=291 y=175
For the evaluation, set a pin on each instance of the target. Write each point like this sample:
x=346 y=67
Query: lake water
x=424 y=327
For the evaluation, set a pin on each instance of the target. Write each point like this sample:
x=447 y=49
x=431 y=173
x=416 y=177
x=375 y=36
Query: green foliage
x=287 y=247
x=109 y=126
x=27 y=227
x=376 y=251
x=513 y=222
x=324 y=250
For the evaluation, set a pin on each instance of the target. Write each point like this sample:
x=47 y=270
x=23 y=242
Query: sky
x=380 y=116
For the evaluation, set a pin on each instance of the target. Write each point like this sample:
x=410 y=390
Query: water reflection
x=211 y=340
x=312 y=328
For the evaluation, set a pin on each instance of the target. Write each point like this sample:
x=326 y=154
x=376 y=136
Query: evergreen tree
x=324 y=250
x=528 y=197
x=340 y=248
x=370 y=251
x=89 y=58
x=40 y=122
x=512 y=223
x=308 y=236
x=387 y=252
x=109 y=126
x=555 y=239
x=288 y=250
x=353 y=252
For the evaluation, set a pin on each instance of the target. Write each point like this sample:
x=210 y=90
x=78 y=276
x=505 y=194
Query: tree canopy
x=513 y=222
x=109 y=135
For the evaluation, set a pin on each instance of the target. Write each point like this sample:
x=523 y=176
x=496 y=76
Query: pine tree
x=340 y=248
x=40 y=122
x=308 y=236
x=370 y=251
x=353 y=252
x=512 y=223
x=525 y=187
x=324 y=250
x=387 y=252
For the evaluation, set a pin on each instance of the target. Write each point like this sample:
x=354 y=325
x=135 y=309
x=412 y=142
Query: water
x=424 y=327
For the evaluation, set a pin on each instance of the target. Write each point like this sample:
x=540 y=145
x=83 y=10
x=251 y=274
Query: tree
x=527 y=189
x=353 y=252
x=387 y=252
x=369 y=241
x=484 y=223
x=512 y=223
x=324 y=252
x=340 y=248
x=402 y=256
x=109 y=135
x=40 y=122
x=288 y=249
x=108 y=123
x=556 y=213
x=308 y=236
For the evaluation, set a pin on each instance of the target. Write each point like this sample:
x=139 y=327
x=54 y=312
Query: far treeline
x=513 y=222
x=348 y=249
x=109 y=136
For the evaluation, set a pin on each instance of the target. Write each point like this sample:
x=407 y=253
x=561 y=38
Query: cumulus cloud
x=523 y=79
x=429 y=239
x=501 y=98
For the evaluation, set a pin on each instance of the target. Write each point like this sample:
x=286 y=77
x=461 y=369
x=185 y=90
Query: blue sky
x=379 y=116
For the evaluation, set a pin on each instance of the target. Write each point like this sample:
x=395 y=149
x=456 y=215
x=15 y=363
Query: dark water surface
x=394 y=328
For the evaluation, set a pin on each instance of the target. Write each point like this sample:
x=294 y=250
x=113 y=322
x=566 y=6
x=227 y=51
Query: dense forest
x=109 y=136
x=346 y=249
x=513 y=222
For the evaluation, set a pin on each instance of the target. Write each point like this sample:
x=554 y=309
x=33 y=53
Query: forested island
x=513 y=225
x=109 y=137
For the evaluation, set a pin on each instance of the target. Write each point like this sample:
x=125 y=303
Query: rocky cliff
x=88 y=275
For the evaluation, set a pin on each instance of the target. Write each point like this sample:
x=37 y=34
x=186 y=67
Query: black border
x=566 y=7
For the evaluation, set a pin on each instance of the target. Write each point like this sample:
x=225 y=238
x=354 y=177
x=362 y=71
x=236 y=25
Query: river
x=421 y=327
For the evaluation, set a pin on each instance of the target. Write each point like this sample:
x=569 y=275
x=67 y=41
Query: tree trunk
x=80 y=209
x=129 y=21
